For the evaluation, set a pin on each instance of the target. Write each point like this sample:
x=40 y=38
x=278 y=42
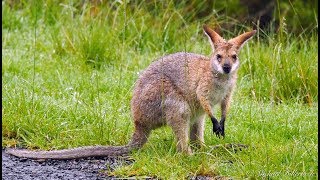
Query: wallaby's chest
x=220 y=89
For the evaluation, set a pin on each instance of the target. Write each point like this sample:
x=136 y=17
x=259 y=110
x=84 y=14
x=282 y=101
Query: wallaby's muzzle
x=226 y=68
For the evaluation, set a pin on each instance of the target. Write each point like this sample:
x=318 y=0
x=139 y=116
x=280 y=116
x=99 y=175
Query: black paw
x=219 y=131
x=218 y=128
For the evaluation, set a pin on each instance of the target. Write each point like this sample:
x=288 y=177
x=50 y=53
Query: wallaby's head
x=225 y=53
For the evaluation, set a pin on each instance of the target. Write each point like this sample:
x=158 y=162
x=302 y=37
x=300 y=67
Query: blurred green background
x=296 y=15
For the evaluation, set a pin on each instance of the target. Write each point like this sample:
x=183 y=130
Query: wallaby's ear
x=214 y=37
x=240 y=40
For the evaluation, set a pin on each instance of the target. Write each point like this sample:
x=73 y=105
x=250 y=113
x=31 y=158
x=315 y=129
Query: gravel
x=89 y=168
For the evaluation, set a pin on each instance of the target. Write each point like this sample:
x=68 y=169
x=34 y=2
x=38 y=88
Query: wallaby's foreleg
x=205 y=103
x=225 y=104
x=197 y=131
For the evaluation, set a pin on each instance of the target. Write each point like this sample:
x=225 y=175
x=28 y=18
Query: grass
x=67 y=81
x=283 y=72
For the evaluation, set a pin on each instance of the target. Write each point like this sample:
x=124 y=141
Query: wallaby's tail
x=138 y=139
x=81 y=152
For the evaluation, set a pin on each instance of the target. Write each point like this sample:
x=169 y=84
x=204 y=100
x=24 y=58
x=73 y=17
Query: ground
x=90 y=168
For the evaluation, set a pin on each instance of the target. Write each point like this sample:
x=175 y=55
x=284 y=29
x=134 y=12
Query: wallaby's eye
x=219 y=57
x=234 y=57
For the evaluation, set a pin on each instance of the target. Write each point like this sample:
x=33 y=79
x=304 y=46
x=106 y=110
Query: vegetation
x=68 y=71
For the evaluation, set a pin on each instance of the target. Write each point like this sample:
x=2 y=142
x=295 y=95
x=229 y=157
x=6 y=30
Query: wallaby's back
x=169 y=75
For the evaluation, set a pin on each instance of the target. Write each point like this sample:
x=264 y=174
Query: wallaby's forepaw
x=219 y=131
x=221 y=126
x=218 y=128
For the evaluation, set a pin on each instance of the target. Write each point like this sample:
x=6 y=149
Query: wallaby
x=178 y=90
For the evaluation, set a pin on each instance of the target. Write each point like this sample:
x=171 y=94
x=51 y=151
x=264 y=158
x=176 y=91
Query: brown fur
x=177 y=90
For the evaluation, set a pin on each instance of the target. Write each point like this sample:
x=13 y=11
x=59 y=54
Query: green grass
x=67 y=81
x=282 y=71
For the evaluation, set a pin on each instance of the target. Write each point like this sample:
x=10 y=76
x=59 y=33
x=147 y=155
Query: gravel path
x=90 y=168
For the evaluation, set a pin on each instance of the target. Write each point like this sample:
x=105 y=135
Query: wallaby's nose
x=226 y=68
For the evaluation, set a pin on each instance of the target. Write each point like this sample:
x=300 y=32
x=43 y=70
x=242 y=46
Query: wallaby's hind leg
x=178 y=117
x=197 y=131
x=140 y=135
x=181 y=131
